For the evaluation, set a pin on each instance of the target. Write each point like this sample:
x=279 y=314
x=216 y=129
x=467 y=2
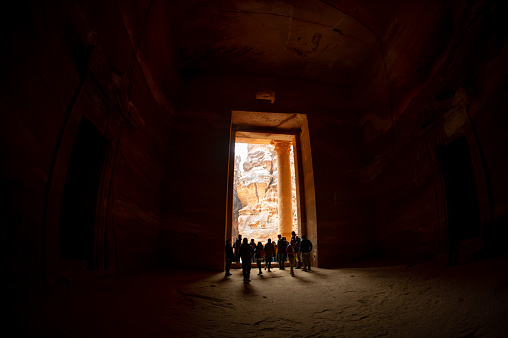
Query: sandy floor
x=422 y=300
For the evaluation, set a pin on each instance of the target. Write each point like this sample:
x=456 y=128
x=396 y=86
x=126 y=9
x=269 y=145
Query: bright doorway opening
x=256 y=210
x=278 y=130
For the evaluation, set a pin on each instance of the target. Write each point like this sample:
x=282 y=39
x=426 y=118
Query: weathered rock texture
x=62 y=63
x=256 y=188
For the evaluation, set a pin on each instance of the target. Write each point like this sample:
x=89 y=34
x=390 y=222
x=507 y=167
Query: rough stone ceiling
x=306 y=39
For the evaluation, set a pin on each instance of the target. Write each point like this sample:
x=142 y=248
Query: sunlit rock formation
x=255 y=212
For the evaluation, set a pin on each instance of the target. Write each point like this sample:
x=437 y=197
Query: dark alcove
x=79 y=206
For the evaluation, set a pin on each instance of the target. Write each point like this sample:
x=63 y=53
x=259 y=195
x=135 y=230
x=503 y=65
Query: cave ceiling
x=324 y=41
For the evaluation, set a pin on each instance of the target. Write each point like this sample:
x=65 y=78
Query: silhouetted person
x=229 y=256
x=292 y=251
x=246 y=253
x=237 y=245
x=299 y=255
x=293 y=238
x=269 y=251
x=260 y=254
x=279 y=238
x=275 y=252
x=281 y=245
x=253 y=245
x=305 y=249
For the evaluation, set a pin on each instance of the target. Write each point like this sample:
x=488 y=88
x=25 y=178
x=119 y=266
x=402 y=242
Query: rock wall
x=69 y=61
x=455 y=92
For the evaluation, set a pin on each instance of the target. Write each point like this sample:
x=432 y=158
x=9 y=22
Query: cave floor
x=367 y=300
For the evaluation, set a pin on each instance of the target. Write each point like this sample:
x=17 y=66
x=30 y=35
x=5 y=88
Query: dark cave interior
x=119 y=118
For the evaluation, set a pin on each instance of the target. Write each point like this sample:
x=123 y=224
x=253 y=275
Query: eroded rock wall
x=64 y=62
x=457 y=82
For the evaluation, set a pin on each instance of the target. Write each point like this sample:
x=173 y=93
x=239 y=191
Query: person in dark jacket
x=269 y=250
x=229 y=256
x=237 y=245
x=246 y=253
x=253 y=245
x=260 y=254
x=306 y=248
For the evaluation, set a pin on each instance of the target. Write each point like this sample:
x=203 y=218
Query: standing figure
x=299 y=255
x=229 y=256
x=253 y=245
x=292 y=251
x=277 y=244
x=306 y=248
x=237 y=245
x=286 y=243
x=260 y=254
x=281 y=245
x=269 y=251
x=246 y=253
x=275 y=252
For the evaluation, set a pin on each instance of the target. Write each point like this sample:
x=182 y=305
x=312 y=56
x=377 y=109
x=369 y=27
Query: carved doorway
x=264 y=188
x=282 y=131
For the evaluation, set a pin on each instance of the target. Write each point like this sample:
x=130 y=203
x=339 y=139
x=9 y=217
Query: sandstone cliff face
x=255 y=213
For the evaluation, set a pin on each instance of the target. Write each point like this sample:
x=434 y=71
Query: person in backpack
x=306 y=248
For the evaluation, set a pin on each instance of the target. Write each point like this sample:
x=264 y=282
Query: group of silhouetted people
x=297 y=251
